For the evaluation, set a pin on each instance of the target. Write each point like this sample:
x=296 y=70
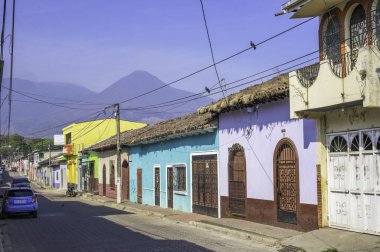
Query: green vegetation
x=21 y=146
x=330 y=250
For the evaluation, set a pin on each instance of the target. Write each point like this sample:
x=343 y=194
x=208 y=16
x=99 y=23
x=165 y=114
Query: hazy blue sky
x=96 y=42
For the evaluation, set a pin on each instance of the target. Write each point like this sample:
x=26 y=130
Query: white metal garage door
x=354 y=180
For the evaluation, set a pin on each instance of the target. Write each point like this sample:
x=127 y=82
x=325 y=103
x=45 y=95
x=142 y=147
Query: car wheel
x=34 y=214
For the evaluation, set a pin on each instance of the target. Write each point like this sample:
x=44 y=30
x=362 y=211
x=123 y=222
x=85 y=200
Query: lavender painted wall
x=259 y=132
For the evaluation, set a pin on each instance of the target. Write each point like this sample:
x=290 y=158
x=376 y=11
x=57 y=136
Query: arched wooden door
x=237 y=186
x=286 y=186
x=104 y=180
x=125 y=179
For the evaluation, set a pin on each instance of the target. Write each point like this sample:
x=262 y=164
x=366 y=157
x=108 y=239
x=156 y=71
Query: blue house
x=171 y=164
x=174 y=164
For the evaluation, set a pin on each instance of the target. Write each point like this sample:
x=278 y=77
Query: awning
x=310 y=8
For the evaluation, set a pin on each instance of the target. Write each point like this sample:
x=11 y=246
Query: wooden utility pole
x=2 y=63
x=118 y=153
x=50 y=170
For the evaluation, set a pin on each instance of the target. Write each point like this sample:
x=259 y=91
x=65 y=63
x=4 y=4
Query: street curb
x=235 y=233
x=240 y=234
x=125 y=208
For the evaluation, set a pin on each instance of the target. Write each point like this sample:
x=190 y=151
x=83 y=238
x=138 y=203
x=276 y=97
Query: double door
x=353 y=181
x=205 y=184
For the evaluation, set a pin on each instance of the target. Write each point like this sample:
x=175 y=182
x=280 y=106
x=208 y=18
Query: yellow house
x=78 y=136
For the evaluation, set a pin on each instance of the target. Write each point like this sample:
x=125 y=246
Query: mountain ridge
x=31 y=115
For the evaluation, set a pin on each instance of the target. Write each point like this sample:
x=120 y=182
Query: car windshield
x=20 y=180
x=20 y=193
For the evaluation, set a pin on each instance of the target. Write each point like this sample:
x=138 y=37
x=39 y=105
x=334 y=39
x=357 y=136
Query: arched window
x=376 y=23
x=112 y=177
x=358 y=30
x=338 y=144
x=332 y=40
x=378 y=143
x=355 y=143
x=367 y=142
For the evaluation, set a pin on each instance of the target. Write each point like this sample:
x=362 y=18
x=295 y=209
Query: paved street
x=66 y=224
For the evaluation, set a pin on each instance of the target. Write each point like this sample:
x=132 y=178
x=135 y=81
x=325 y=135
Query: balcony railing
x=343 y=65
x=308 y=74
x=67 y=150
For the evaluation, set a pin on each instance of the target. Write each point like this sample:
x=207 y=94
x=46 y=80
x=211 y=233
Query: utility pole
x=2 y=63
x=50 y=166
x=11 y=73
x=118 y=153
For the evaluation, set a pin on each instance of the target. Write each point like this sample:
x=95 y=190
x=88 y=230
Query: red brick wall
x=111 y=193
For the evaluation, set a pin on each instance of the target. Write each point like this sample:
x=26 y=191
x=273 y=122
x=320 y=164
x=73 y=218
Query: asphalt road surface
x=67 y=224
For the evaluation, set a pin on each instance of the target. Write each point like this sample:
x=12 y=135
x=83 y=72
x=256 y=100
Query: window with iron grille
x=112 y=175
x=180 y=179
x=68 y=138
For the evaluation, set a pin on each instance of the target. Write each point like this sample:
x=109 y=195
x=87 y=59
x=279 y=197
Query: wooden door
x=205 y=185
x=237 y=187
x=170 y=187
x=139 y=186
x=104 y=180
x=286 y=186
x=157 y=186
x=125 y=180
x=90 y=187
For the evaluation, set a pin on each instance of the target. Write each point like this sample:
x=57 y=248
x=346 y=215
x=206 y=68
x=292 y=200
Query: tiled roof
x=271 y=90
x=159 y=131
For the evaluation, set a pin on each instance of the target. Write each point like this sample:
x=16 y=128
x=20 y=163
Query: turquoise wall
x=163 y=154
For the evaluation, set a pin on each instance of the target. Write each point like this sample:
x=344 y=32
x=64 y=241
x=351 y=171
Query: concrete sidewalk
x=282 y=239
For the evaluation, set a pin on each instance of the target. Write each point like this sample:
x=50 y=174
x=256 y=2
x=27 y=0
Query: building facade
x=171 y=164
x=80 y=135
x=342 y=92
x=268 y=170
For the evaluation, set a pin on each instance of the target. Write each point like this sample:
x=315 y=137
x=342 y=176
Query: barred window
x=180 y=178
x=112 y=176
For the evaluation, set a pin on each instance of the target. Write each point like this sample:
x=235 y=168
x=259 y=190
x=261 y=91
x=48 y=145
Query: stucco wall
x=104 y=158
x=266 y=127
x=162 y=155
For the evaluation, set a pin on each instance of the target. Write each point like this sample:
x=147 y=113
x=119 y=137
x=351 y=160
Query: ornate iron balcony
x=308 y=74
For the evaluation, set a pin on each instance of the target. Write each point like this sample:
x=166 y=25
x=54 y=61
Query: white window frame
x=175 y=167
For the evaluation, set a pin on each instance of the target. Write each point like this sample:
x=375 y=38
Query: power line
x=89 y=124
x=170 y=103
x=76 y=102
x=60 y=125
x=198 y=95
x=223 y=60
x=212 y=51
x=242 y=84
x=47 y=102
x=85 y=133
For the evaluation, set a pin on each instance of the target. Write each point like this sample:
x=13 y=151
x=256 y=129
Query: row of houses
x=299 y=151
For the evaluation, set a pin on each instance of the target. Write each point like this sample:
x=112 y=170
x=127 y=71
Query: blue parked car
x=20 y=182
x=19 y=200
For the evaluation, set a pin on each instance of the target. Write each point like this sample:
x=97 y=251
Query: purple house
x=268 y=162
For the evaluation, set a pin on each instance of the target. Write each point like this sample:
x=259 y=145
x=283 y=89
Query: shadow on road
x=76 y=226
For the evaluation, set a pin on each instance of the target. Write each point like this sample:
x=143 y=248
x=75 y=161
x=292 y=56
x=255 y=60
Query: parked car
x=20 y=182
x=19 y=200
